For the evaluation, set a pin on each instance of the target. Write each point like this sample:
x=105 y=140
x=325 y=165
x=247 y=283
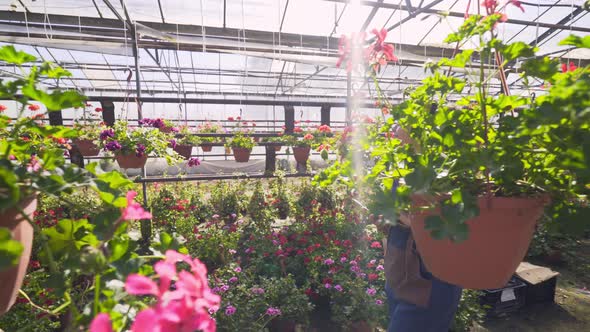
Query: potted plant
x=209 y=128
x=131 y=146
x=184 y=142
x=278 y=141
x=89 y=127
x=165 y=126
x=241 y=146
x=31 y=160
x=474 y=175
x=301 y=146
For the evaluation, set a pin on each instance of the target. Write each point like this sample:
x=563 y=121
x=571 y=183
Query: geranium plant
x=240 y=140
x=210 y=128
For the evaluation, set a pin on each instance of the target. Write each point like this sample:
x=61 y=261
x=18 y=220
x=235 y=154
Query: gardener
x=418 y=301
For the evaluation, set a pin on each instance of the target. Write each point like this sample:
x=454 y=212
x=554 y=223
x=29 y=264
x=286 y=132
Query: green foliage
x=10 y=250
x=186 y=137
x=259 y=209
x=577 y=41
x=228 y=200
x=282 y=199
x=239 y=140
x=470 y=311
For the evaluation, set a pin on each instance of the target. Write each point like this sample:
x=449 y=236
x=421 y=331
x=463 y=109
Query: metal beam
x=371 y=16
x=97 y=9
x=462 y=15
x=161 y=11
x=564 y=20
x=166 y=72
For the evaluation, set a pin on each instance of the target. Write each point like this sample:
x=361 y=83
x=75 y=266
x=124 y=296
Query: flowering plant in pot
x=477 y=168
x=209 y=128
x=89 y=127
x=184 y=142
x=241 y=146
x=131 y=146
x=301 y=146
x=165 y=126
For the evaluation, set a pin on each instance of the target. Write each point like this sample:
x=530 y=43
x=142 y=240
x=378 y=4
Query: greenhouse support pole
x=348 y=118
x=146 y=225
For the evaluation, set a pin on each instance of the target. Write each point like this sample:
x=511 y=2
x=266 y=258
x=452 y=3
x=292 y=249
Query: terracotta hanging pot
x=11 y=279
x=301 y=154
x=241 y=155
x=361 y=326
x=130 y=160
x=498 y=241
x=87 y=147
x=184 y=150
x=206 y=147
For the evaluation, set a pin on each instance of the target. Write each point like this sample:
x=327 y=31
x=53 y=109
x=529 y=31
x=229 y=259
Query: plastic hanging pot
x=87 y=147
x=241 y=155
x=184 y=150
x=206 y=147
x=301 y=154
x=498 y=240
x=21 y=230
x=130 y=160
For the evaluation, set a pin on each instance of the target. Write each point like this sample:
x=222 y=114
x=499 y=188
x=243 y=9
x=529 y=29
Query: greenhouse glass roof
x=258 y=50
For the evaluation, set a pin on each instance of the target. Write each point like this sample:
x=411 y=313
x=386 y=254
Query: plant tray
x=503 y=301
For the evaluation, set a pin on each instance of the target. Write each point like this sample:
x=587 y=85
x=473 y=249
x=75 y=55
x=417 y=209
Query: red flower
x=37 y=116
x=490 y=5
x=380 y=46
x=2 y=108
x=298 y=130
x=34 y=107
x=385 y=110
x=231 y=118
x=35 y=264
x=308 y=137
x=517 y=4
x=325 y=129
x=98 y=109
x=306 y=260
x=565 y=68
x=373 y=276
x=376 y=244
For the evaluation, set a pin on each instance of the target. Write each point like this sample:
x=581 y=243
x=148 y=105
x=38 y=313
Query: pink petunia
x=101 y=323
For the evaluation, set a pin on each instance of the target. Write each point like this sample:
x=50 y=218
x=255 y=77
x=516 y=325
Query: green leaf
x=543 y=68
x=10 y=250
x=459 y=61
x=118 y=248
x=457 y=196
x=517 y=50
x=11 y=55
x=51 y=70
x=580 y=42
x=70 y=236
x=56 y=100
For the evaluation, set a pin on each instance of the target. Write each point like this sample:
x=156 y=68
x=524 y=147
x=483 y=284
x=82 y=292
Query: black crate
x=502 y=301
x=543 y=292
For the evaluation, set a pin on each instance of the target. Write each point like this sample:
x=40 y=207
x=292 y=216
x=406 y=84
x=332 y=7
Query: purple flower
x=231 y=251
x=230 y=310
x=373 y=261
x=224 y=288
x=172 y=143
x=371 y=291
x=329 y=261
x=158 y=123
x=175 y=129
x=328 y=285
x=140 y=150
x=343 y=259
x=378 y=302
x=380 y=268
x=145 y=122
x=215 y=290
x=237 y=269
x=106 y=134
x=275 y=242
x=338 y=288
x=113 y=146
x=257 y=290
x=273 y=311
x=194 y=162
x=353 y=263
x=233 y=215
x=233 y=280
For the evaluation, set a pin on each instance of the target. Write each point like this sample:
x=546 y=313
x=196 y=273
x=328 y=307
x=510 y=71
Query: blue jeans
x=443 y=301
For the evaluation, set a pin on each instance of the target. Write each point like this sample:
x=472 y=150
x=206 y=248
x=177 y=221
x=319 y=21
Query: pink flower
x=379 y=268
x=371 y=291
x=329 y=261
x=378 y=302
x=237 y=269
x=517 y=4
x=3 y=108
x=273 y=311
x=134 y=211
x=182 y=306
x=376 y=244
x=34 y=107
x=338 y=288
x=328 y=285
x=230 y=310
x=101 y=323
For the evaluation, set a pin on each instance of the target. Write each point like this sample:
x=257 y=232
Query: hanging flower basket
x=11 y=279
x=498 y=240
x=130 y=160
x=206 y=147
x=184 y=150
x=301 y=154
x=87 y=147
x=241 y=155
x=165 y=130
